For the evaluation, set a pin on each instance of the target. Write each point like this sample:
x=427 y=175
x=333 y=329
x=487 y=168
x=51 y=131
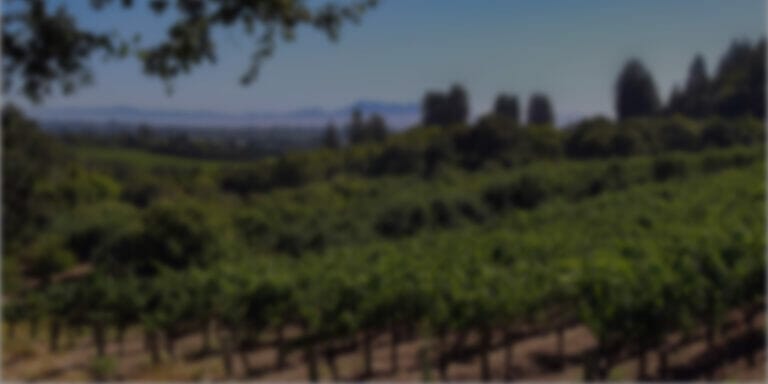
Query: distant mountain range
x=397 y=115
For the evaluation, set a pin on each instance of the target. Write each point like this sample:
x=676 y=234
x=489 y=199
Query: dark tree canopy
x=331 y=136
x=636 y=93
x=695 y=99
x=376 y=128
x=507 y=106
x=371 y=130
x=28 y=156
x=698 y=80
x=737 y=88
x=45 y=49
x=445 y=108
x=540 y=110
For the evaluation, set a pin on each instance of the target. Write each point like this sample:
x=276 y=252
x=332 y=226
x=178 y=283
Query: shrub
x=400 y=221
x=680 y=134
x=103 y=368
x=395 y=159
x=713 y=162
x=591 y=138
x=441 y=214
x=470 y=211
x=613 y=177
x=252 y=226
x=542 y=141
x=528 y=192
x=486 y=141
x=668 y=167
x=287 y=173
x=244 y=181
x=495 y=196
x=628 y=142
x=290 y=243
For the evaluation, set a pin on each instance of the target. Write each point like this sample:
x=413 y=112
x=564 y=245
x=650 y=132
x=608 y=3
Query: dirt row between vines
x=533 y=359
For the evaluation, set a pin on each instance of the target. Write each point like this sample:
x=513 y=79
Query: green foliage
x=29 y=157
x=400 y=221
x=103 y=368
x=668 y=167
x=445 y=109
x=44 y=48
x=636 y=94
x=287 y=173
x=735 y=89
x=373 y=130
x=47 y=257
x=181 y=234
x=540 y=110
x=608 y=242
x=591 y=138
x=507 y=106
x=395 y=159
x=723 y=133
x=77 y=186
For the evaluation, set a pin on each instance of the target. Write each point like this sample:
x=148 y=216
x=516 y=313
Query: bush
x=486 y=141
x=437 y=152
x=103 y=368
x=287 y=173
x=496 y=196
x=669 y=167
x=528 y=192
x=591 y=138
x=717 y=161
x=400 y=221
x=289 y=243
x=613 y=177
x=543 y=141
x=680 y=134
x=628 y=142
x=252 y=226
x=470 y=211
x=395 y=160
x=441 y=214
x=723 y=133
x=244 y=181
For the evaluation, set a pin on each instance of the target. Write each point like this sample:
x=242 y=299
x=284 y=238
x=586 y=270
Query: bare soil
x=534 y=358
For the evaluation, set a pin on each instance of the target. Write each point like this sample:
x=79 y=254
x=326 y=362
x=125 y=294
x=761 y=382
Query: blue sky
x=570 y=49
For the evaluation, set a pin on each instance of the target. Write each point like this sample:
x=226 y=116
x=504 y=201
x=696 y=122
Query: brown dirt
x=29 y=360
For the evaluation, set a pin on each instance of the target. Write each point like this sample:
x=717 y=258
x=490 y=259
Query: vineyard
x=452 y=193
x=406 y=277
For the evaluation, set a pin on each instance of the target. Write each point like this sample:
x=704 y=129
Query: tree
x=540 y=110
x=635 y=92
x=47 y=257
x=697 y=88
x=45 y=49
x=445 y=109
x=29 y=157
x=739 y=86
x=376 y=128
x=695 y=99
x=459 y=105
x=331 y=136
x=507 y=106
x=356 y=127
x=371 y=130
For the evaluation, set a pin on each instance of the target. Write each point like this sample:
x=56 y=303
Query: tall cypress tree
x=636 y=93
